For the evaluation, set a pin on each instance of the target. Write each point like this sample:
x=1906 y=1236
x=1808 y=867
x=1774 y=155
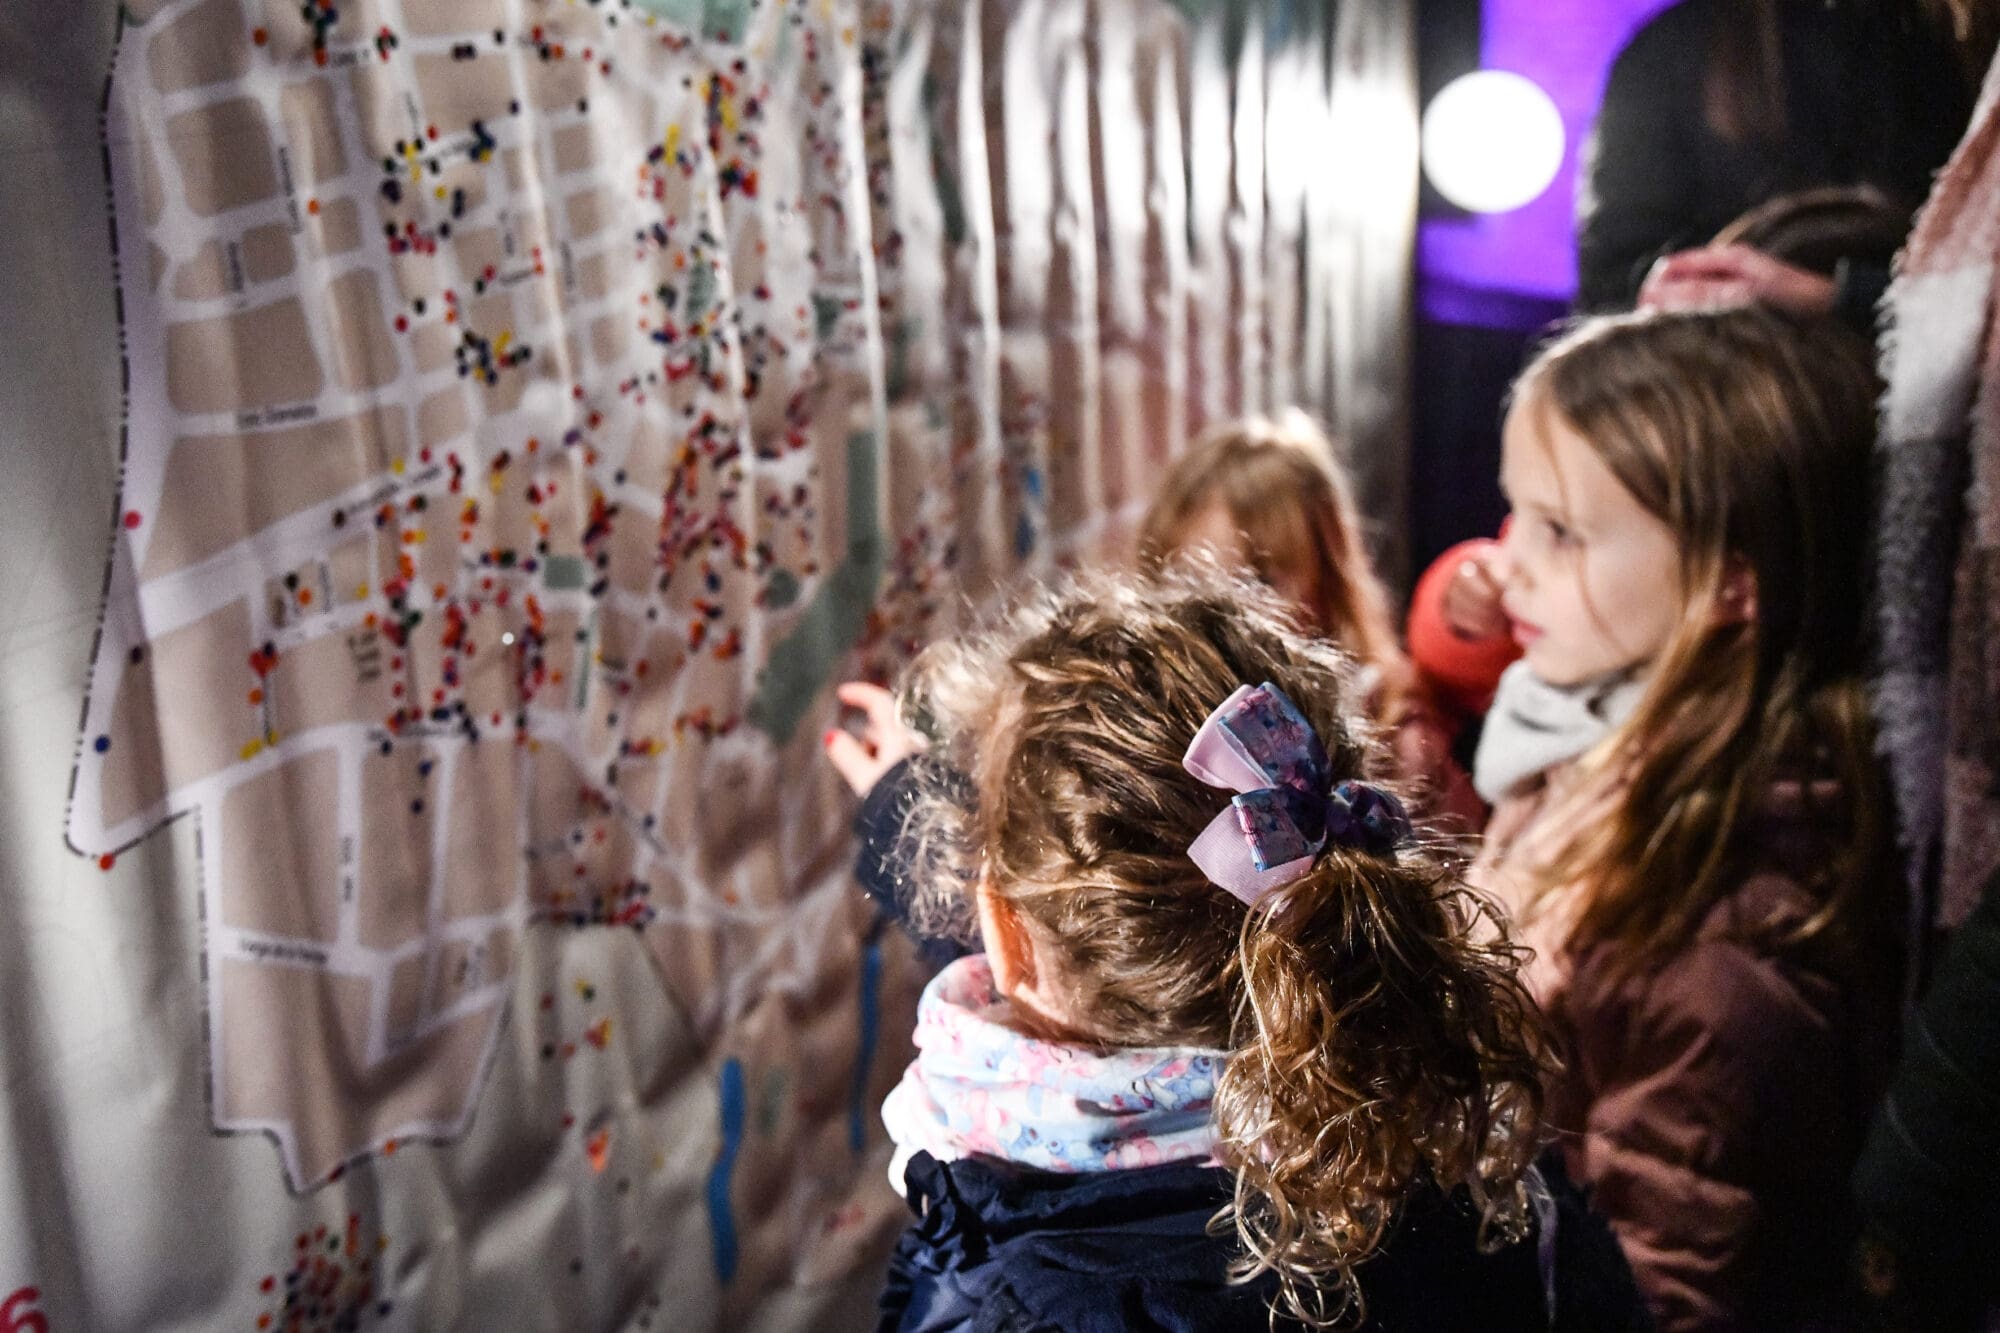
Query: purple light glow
x=1487 y=270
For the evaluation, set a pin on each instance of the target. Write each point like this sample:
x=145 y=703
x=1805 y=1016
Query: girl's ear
x=1737 y=602
x=1010 y=950
x=1033 y=990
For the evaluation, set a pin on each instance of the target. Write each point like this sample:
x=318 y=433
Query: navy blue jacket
x=882 y=864
x=999 y=1249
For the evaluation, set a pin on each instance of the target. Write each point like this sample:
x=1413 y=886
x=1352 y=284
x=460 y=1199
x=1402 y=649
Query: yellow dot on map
x=439 y=192
x=360 y=590
x=250 y=749
x=396 y=467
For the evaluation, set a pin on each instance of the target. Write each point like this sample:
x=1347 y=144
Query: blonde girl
x=1221 y=974
x=1708 y=887
x=1266 y=495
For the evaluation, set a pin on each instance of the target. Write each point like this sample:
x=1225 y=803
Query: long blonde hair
x=1279 y=481
x=1748 y=434
x=1378 y=1033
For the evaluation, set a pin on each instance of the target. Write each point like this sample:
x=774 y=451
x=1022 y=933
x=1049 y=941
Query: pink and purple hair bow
x=1286 y=810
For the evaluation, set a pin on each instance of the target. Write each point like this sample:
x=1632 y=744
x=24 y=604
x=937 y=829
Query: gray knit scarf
x=1534 y=726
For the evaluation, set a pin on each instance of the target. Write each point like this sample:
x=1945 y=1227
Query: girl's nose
x=1501 y=565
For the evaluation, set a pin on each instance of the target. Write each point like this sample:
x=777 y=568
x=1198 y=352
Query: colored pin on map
x=598 y=1147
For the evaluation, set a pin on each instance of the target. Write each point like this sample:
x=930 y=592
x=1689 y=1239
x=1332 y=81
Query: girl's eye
x=1558 y=533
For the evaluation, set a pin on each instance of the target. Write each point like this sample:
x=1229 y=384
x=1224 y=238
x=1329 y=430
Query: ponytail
x=1381 y=1041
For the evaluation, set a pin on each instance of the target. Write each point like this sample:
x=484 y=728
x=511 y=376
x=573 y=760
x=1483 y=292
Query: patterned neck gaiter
x=981 y=1087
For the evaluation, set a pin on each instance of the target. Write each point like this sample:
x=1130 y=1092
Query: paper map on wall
x=479 y=551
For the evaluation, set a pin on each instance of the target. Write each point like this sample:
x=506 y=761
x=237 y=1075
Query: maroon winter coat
x=1714 y=1105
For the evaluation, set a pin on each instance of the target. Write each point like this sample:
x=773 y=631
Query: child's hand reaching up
x=883 y=743
x=1459 y=634
x=1472 y=598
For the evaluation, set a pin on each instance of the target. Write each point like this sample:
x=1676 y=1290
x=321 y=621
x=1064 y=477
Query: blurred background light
x=1492 y=141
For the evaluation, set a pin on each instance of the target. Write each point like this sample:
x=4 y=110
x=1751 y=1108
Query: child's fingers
x=1665 y=272
x=1472 y=602
x=1478 y=571
x=1702 y=294
x=1711 y=264
x=855 y=763
x=883 y=733
x=1744 y=261
x=876 y=702
x=1726 y=261
x=1701 y=279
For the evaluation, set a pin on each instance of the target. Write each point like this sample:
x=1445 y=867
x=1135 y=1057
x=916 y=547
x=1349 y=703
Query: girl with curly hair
x=1241 y=1047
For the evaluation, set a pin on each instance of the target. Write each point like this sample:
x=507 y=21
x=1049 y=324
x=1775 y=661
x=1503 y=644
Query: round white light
x=1492 y=141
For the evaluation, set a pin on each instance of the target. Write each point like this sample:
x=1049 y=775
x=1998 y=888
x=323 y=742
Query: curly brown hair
x=1379 y=1037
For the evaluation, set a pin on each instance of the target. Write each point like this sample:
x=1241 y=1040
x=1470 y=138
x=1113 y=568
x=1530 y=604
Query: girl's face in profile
x=1591 y=579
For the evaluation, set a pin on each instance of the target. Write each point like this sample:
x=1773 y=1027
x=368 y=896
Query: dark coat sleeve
x=882 y=862
x=1929 y=1178
x=878 y=827
x=1858 y=288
